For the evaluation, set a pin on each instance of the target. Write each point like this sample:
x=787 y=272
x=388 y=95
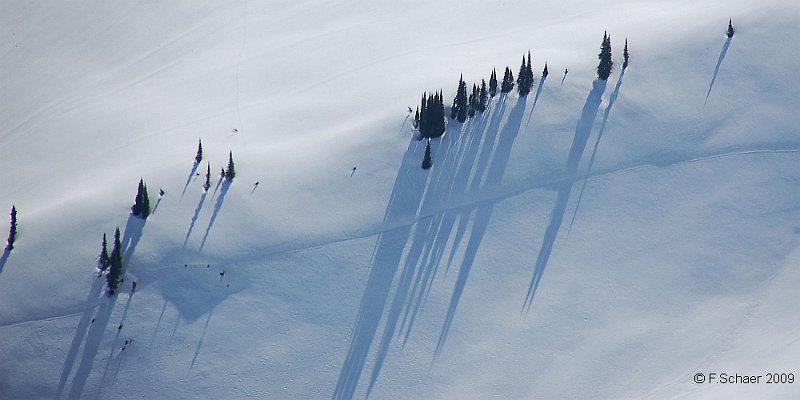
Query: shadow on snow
x=716 y=69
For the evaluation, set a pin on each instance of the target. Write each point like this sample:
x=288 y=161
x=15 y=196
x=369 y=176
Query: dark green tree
x=431 y=116
x=606 y=64
x=508 y=81
x=427 y=162
x=416 y=118
x=474 y=98
x=103 y=261
x=199 y=156
x=483 y=97
x=545 y=72
x=461 y=101
x=230 y=173
x=729 y=33
x=114 y=266
x=208 y=177
x=12 y=230
x=141 y=205
x=525 y=76
x=625 y=55
x=493 y=84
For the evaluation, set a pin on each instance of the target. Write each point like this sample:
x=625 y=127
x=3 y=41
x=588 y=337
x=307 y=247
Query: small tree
x=427 y=162
x=199 y=156
x=115 y=266
x=606 y=64
x=141 y=205
x=545 y=72
x=231 y=172
x=12 y=230
x=625 y=55
x=729 y=33
x=103 y=261
x=493 y=84
x=508 y=81
x=461 y=101
x=483 y=97
x=208 y=177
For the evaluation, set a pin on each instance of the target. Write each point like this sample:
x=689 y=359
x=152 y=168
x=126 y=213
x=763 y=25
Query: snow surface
x=470 y=280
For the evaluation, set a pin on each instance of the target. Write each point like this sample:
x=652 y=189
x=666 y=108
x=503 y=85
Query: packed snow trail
x=582 y=132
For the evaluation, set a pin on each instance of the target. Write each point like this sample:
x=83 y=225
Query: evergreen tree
x=416 y=119
x=483 y=97
x=625 y=55
x=461 y=101
x=199 y=156
x=508 y=81
x=231 y=172
x=427 y=162
x=544 y=72
x=606 y=64
x=729 y=33
x=474 y=98
x=12 y=230
x=141 y=205
x=525 y=76
x=431 y=116
x=115 y=266
x=103 y=261
x=493 y=84
x=208 y=177
x=145 y=203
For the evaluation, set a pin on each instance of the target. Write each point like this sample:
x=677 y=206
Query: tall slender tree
x=606 y=64
x=474 y=98
x=483 y=97
x=141 y=205
x=461 y=100
x=208 y=177
x=103 y=261
x=493 y=83
x=625 y=55
x=115 y=266
x=199 y=156
x=12 y=230
x=545 y=72
x=729 y=33
x=230 y=173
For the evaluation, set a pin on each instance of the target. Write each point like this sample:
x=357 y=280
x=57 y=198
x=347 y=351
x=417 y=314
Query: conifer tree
x=427 y=162
x=416 y=118
x=493 y=84
x=606 y=64
x=525 y=76
x=508 y=81
x=115 y=266
x=141 y=205
x=208 y=177
x=199 y=156
x=544 y=72
x=483 y=97
x=729 y=33
x=474 y=98
x=12 y=230
x=103 y=261
x=461 y=101
x=231 y=172
x=431 y=116
x=625 y=55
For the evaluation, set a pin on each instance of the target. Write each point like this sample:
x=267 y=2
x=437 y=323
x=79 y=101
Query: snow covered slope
x=591 y=240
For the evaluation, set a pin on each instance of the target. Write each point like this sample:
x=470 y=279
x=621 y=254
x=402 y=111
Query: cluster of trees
x=228 y=174
x=141 y=205
x=466 y=106
x=12 y=230
x=606 y=64
x=429 y=117
x=525 y=76
x=111 y=264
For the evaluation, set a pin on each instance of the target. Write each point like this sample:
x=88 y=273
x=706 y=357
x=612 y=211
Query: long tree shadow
x=4 y=259
x=403 y=202
x=130 y=238
x=80 y=333
x=194 y=217
x=611 y=101
x=716 y=68
x=200 y=342
x=483 y=214
x=582 y=132
x=114 y=345
x=536 y=98
x=189 y=179
x=225 y=186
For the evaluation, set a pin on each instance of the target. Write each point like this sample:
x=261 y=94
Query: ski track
x=463 y=206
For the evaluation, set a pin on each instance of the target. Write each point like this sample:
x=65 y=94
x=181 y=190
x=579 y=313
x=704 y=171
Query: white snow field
x=611 y=242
